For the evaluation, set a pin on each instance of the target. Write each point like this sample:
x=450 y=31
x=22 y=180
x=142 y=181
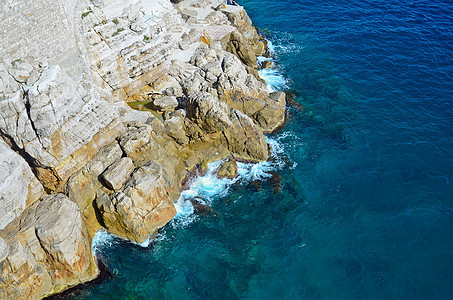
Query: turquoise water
x=364 y=209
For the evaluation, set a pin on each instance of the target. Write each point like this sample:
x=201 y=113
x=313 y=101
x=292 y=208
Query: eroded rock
x=166 y=103
x=118 y=173
x=228 y=169
x=141 y=207
x=19 y=188
x=210 y=114
x=47 y=252
x=245 y=140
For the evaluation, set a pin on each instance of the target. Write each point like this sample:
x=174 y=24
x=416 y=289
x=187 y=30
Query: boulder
x=244 y=139
x=47 y=250
x=141 y=207
x=174 y=127
x=228 y=169
x=118 y=173
x=267 y=64
x=272 y=115
x=209 y=113
x=166 y=103
x=241 y=47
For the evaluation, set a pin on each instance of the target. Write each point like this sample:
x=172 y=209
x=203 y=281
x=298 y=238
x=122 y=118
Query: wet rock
x=276 y=181
x=118 y=173
x=228 y=169
x=267 y=64
x=201 y=208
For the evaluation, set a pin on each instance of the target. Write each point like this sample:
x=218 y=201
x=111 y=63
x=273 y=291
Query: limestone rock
x=145 y=142
x=210 y=114
x=241 y=47
x=8 y=86
x=166 y=103
x=272 y=115
x=217 y=18
x=245 y=140
x=175 y=90
x=141 y=207
x=3 y=250
x=174 y=127
x=19 y=188
x=82 y=186
x=267 y=64
x=20 y=71
x=47 y=252
x=260 y=48
x=118 y=173
x=228 y=169
x=239 y=19
x=58 y=125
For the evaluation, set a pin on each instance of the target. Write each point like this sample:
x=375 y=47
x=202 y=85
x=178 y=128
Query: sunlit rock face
x=75 y=157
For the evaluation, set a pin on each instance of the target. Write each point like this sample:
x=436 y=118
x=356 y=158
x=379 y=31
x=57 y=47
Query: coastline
x=194 y=101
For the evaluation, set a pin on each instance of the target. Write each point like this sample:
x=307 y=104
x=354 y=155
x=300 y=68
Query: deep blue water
x=365 y=206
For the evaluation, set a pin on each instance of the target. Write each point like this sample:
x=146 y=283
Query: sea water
x=357 y=202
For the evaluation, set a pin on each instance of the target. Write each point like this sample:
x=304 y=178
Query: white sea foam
x=101 y=239
x=208 y=188
x=274 y=79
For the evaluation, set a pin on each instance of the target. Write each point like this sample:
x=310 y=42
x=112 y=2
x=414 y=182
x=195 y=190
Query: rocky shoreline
x=102 y=134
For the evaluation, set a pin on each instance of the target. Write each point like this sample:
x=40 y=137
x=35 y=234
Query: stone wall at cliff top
x=74 y=157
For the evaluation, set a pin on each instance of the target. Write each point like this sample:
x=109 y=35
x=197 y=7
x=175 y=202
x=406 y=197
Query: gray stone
x=166 y=103
x=209 y=113
x=20 y=71
x=3 y=250
x=19 y=187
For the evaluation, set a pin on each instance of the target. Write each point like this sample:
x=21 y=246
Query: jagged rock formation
x=74 y=157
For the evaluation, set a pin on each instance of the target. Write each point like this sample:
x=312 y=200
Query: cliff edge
x=105 y=106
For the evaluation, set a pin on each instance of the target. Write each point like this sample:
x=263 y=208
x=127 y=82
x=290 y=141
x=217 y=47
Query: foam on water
x=206 y=189
x=103 y=238
x=274 y=79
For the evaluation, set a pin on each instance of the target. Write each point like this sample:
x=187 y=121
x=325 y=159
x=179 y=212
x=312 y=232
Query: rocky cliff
x=105 y=105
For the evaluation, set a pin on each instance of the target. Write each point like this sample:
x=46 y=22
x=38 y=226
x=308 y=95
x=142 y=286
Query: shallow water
x=364 y=208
